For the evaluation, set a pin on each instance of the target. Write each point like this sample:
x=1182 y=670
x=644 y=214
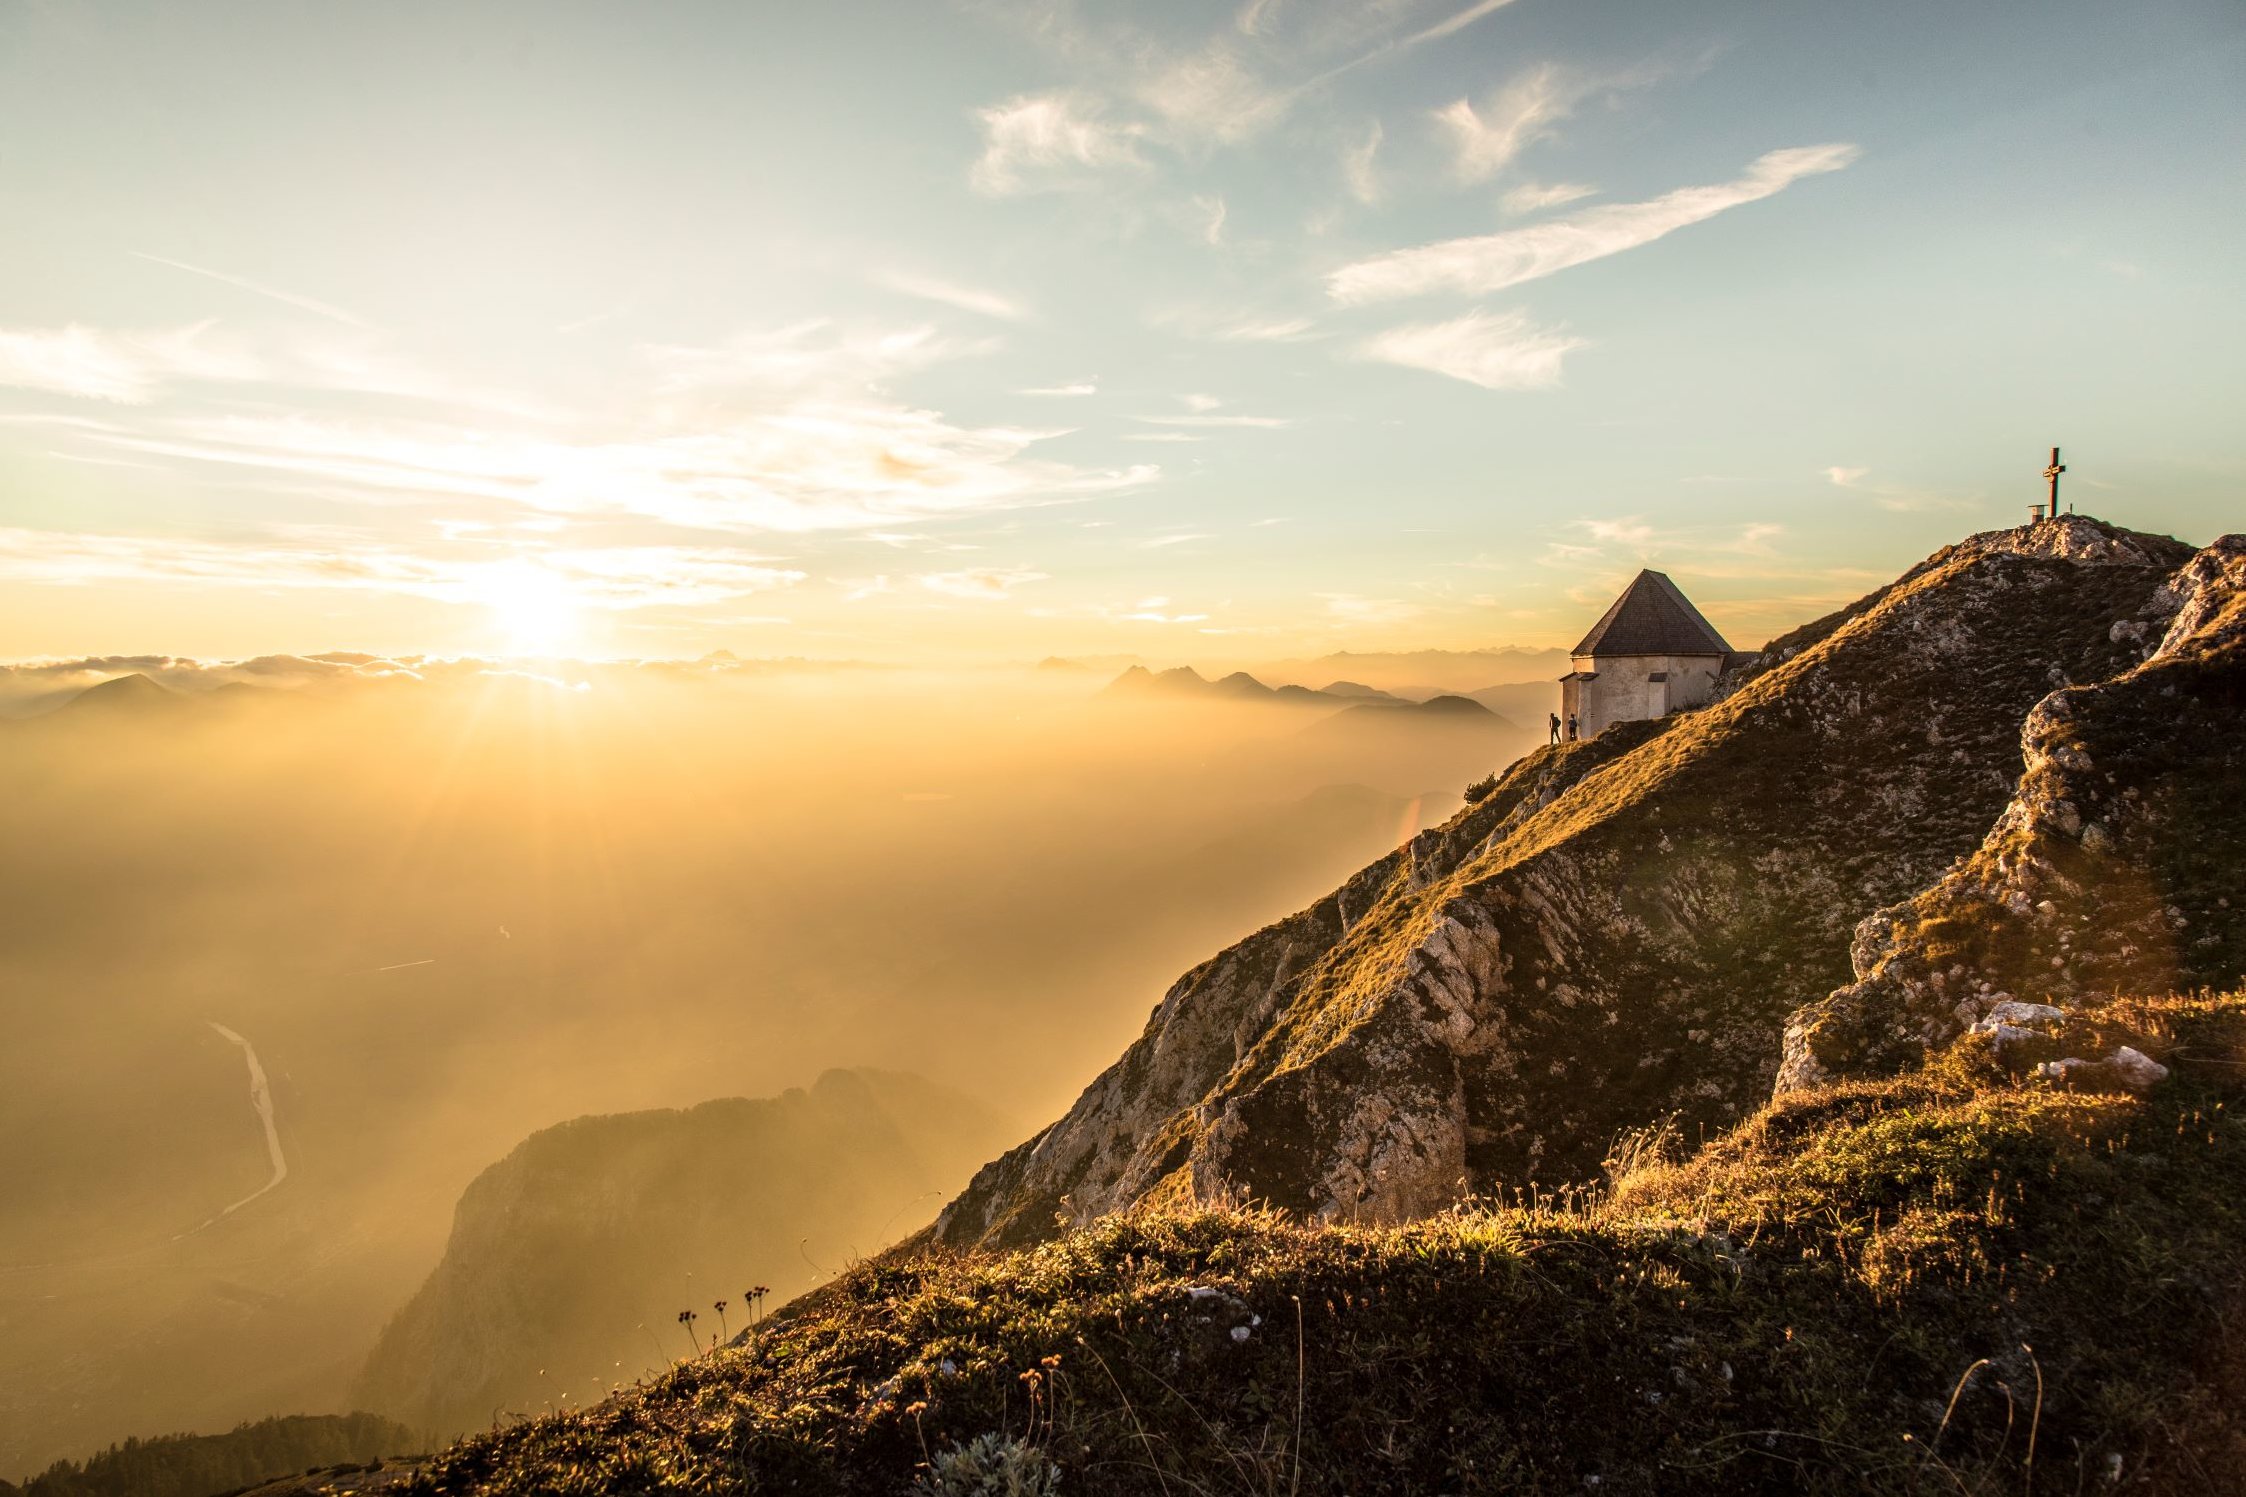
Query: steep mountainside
x=1615 y=935
x=2113 y=869
x=571 y=1258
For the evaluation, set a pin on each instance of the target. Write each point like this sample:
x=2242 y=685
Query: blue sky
x=977 y=332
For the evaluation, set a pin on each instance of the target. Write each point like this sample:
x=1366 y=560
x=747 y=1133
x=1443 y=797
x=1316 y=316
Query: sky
x=965 y=333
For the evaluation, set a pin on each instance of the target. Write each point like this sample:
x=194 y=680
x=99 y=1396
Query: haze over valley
x=446 y=907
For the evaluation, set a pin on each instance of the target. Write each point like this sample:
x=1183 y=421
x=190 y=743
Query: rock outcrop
x=2111 y=870
x=1616 y=935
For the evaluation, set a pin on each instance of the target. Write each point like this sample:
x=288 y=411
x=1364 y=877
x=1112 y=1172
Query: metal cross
x=2051 y=507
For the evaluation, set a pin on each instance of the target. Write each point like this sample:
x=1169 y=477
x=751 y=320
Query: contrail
x=243 y=283
x=401 y=966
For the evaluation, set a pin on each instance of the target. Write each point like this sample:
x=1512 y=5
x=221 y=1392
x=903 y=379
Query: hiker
x=1571 y=727
x=1555 y=727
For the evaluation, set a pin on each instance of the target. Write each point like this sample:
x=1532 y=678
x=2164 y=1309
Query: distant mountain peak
x=128 y=693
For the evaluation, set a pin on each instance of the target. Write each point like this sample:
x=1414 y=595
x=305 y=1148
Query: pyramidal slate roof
x=1652 y=618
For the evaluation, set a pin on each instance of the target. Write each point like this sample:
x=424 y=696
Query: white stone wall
x=1625 y=690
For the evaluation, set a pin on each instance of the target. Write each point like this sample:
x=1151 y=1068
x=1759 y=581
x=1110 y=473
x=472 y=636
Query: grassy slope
x=1789 y=1311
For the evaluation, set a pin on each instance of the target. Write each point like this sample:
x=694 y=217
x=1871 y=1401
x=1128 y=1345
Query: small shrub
x=1480 y=789
x=991 y=1465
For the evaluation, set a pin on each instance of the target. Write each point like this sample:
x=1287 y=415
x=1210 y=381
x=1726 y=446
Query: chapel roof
x=1652 y=618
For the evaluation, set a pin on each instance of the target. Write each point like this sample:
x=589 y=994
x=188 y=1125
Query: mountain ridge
x=1434 y=1027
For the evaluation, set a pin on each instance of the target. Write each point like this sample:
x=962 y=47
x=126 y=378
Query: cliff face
x=570 y=1259
x=1616 y=935
x=2113 y=869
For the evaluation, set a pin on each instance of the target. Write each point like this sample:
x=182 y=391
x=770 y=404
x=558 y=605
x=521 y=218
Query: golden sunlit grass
x=1958 y=1281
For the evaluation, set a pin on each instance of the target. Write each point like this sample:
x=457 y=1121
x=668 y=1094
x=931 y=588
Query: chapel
x=1649 y=654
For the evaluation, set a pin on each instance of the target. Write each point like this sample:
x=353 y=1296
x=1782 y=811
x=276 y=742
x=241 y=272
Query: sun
x=536 y=610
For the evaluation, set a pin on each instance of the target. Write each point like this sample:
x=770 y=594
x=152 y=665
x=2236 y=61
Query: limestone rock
x=2127 y=1067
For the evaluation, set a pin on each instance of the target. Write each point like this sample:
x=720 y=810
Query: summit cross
x=2051 y=505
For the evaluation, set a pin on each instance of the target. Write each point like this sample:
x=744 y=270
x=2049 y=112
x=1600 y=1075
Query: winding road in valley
x=261 y=1098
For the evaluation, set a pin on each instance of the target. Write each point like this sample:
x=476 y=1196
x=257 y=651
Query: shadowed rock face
x=1616 y=935
x=2112 y=869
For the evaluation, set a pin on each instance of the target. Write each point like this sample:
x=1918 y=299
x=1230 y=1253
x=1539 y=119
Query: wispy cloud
x=258 y=288
x=1358 y=170
x=1221 y=324
x=1627 y=531
x=783 y=430
x=1900 y=498
x=1063 y=392
x=952 y=294
x=1353 y=609
x=1454 y=23
x=1484 y=141
x=1492 y=262
x=984 y=584
x=1210 y=93
x=812 y=355
x=1535 y=197
x=613 y=578
x=799 y=467
x=1450 y=25
x=1498 y=351
x=1267 y=422
x=127 y=368
x=1050 y=142
x=1230 y=86
x=1256 y=16
x=1754 y=539
x=1267 y=330
x=1155 y=610
x=1212 y=211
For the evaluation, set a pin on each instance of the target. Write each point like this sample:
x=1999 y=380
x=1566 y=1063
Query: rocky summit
x=1880 y=830
x=2113 y=868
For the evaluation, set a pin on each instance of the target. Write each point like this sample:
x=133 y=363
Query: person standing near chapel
x=1555 y=727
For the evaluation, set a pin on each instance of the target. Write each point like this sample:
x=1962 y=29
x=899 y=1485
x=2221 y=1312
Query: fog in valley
x=290 y=953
